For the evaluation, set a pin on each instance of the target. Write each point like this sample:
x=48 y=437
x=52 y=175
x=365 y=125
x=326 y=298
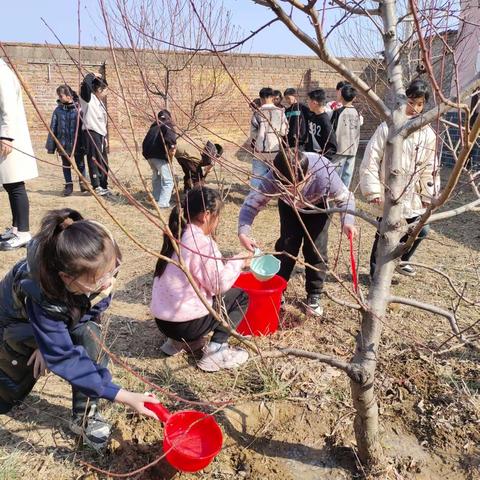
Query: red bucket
x=191 y=440
x=264 y=307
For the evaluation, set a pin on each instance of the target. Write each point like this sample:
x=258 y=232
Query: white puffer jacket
x=419 y=169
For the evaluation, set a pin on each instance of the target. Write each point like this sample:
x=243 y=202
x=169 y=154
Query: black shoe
x=68 y=190
x=7 y=234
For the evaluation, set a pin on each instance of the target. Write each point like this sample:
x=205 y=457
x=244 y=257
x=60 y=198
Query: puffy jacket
x=64 y=127
x=419 y=167
x=268 y=125
x=22 y=302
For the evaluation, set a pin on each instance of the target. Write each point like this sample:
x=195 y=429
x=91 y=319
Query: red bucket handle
x=159 y=410
x=353 y=264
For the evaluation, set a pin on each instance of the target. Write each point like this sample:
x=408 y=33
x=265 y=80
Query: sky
x=61 y=15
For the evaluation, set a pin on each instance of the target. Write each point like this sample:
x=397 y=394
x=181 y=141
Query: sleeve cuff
x=244 y=230
x=111 y=391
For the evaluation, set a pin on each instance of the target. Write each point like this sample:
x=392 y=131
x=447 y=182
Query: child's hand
x=249 y=243
x=5 y=147
x=350 y=230
x=375 y=201
x=39 y=364
x=247 y=256
x=136 y=402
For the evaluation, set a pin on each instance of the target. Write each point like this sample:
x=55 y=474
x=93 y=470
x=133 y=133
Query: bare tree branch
x=354 y=371
x=357 y=9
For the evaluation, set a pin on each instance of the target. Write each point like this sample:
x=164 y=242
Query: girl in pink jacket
x=179 y=312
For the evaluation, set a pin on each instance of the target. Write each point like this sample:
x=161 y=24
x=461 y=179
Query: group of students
x=52 y=301
x=329 y=128
x=79 y=127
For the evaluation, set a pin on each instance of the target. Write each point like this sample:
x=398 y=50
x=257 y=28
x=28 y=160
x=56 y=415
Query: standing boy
x=268 y=126
x=418 y=169
x=346 y=122
x=297 y=115
x=93 y=91
x=300 y=180
x=321 y=136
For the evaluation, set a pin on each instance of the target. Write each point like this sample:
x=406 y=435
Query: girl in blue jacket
x=50 y=318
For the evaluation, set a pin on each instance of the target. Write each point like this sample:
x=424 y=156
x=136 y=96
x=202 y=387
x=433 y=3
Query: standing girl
x=50 y=317
x=66 y=125
x=17 y=163
x=93 y=91
x=179 y=312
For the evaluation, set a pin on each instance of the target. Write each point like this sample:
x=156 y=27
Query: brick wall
x=226 y=115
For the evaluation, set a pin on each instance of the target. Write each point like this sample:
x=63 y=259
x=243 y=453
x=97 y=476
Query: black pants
x=193 y=173
x=234 y=303
x=97 y=159
x=16 y=378
x=19 y=205
x=407 y=255
x=292 y=234
x=67 y=167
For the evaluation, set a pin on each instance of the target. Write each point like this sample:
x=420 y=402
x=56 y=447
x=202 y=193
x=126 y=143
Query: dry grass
x=291 y=418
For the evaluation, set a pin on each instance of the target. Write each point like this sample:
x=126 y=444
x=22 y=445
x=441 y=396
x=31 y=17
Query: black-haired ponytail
x=198 y=200
x=68 y=243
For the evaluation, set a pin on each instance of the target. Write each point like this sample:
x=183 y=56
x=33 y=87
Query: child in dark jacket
x=297 y=115
x=321 y=138
x=66 y=125
x=50 y=317
x=158 y=148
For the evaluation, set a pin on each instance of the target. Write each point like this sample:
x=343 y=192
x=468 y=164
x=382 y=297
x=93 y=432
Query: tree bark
x=366 y=421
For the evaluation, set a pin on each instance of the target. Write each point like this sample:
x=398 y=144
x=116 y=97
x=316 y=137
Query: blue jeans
x=162 y=181
x=345 y=164
x=259 y=170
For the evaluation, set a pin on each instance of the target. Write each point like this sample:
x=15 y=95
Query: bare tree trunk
x=364 y=399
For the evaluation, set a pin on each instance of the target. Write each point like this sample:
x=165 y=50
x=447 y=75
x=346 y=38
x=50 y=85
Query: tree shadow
x=325 y=457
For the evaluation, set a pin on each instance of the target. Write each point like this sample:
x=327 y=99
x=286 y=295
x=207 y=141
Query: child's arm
x=51 y=146
x=429 y=177
x=86 y=88
x=67 y=360
x=370 y=183
x=253 y=204
x=210 y=270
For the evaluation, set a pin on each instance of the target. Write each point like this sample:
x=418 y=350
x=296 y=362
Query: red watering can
x=191 y=440
x=352 y=264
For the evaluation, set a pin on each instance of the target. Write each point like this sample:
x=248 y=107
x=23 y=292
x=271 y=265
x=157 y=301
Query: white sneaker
x=173 y=347
x=223 y=357
x=17 y=241
x=102 y=191
x=314 y=306
x=406 y=269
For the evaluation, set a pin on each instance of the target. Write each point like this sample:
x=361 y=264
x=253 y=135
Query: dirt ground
x=289 y=418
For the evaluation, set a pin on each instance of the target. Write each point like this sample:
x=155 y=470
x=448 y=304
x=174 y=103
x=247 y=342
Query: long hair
x=68 y=243
x=197 y=201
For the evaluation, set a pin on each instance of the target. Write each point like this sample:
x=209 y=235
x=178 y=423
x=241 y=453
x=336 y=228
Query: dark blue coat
x=64 y=127
x=24 y=306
